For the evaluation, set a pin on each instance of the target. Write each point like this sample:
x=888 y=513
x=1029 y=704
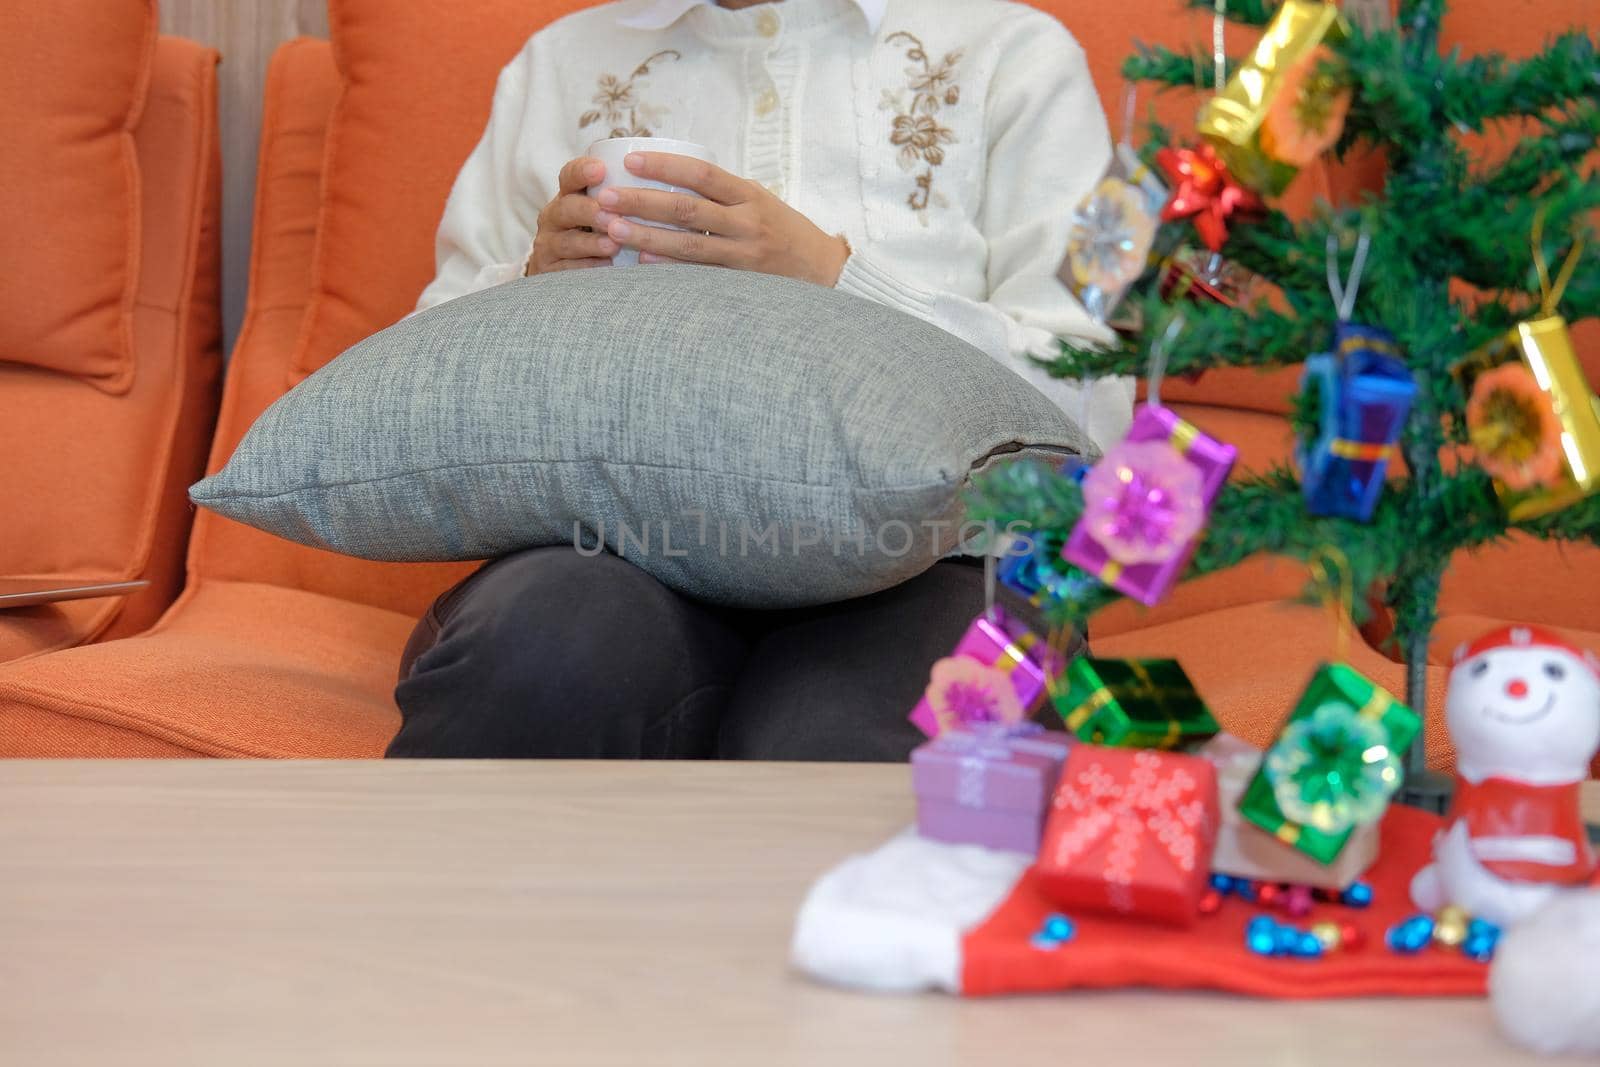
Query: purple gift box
x=993 y=640
x=1149 y=582
x=991 y=786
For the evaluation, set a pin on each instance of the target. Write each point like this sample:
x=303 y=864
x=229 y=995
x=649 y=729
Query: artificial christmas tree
x=1464 y=272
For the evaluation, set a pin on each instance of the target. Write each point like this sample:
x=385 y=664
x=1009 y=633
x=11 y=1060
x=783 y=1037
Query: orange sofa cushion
x=105 y=477
x=235 y=670
x=417 y=81
x=73 y=77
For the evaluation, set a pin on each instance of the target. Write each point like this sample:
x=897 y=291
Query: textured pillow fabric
x=747 y=439
x=73 y=78
x=417 y=78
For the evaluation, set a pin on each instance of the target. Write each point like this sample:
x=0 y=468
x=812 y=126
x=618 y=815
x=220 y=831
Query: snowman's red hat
x=1520 y=636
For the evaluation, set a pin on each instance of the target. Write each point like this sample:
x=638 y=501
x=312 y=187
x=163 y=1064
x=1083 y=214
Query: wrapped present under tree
x=1132 y=703
x=1130 y=832
x=988 y=786
x=1245 y=850
x=1334 y=766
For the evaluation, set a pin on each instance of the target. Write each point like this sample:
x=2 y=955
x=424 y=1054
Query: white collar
x=659 y=14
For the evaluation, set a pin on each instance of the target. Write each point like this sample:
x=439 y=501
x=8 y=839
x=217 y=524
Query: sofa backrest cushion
x=417 y=79
x=73 y=79
x=88 y=477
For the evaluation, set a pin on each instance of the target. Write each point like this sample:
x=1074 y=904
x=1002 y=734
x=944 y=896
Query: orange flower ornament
x=1515 y=433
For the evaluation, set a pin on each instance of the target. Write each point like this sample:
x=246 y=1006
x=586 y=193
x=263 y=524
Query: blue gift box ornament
x=1035 y=568
x=1037 y=572
x=1365 y=392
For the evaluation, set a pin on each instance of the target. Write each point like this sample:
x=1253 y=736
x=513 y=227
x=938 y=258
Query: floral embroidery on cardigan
x=916 y=129
x=620 y=102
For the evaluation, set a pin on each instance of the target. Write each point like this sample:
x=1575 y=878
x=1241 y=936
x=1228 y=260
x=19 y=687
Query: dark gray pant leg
x=836 y=683
x=550 y=654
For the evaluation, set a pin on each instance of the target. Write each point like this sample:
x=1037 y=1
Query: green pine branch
x=1418 y=23
x=1213 y=336
x=1263 y=514
x=1195 y=69
x=1578 y=522
x=1560 y=149
x=1396 y=103
x=1485 y=228
x=1481 y=88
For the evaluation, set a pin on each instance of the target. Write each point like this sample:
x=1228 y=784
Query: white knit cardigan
x=947 y=140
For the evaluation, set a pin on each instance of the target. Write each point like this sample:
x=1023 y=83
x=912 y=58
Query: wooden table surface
x=237 y=913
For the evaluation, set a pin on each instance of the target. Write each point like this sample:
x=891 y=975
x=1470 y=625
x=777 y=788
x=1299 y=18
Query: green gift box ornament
x=1335 y=764
x=1132 y=703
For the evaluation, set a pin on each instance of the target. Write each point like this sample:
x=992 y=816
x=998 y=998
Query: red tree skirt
x=999 y=957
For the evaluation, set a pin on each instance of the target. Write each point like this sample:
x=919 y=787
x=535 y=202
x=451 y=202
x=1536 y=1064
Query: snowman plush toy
x=1524 y=712
x=1523 y=709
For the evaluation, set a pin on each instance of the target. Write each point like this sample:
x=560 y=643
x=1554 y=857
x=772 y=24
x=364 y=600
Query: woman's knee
x=550 y=652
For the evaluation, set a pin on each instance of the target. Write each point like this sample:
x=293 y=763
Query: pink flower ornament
x=1143 y=502
x=965 y=693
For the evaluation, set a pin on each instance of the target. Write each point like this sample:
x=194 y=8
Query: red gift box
x=1131 y=832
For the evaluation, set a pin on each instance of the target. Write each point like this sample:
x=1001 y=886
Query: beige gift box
x=1244 y=850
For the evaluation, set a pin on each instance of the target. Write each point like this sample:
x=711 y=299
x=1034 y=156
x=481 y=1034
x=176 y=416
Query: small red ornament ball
x=1211 y=903
x=1297 y=901
x=1268 y=894
x=1351 y=937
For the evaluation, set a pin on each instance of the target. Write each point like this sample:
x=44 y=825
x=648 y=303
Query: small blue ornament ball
x=1410 y=935
x=1261 y=936
x=1059 y=928
x=1358 y=895
x=1308 y=946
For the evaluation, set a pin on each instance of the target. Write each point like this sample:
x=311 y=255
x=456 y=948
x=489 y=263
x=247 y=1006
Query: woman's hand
x=564 y=240
x=738 y=224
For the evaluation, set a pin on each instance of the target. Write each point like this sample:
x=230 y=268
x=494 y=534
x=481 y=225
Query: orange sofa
x=272 y=650
x=277 y=650
x=95 y=482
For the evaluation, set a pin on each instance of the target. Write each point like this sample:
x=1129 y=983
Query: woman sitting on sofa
x=924 y=154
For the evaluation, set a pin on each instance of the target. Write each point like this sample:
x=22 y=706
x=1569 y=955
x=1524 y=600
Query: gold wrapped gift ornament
x=1279 y=111
x=1533 y=421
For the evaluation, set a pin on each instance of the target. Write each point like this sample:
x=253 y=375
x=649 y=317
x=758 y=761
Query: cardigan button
x=767 y=24
x=766 y=103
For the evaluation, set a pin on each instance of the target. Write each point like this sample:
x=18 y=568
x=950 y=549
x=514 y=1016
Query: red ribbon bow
x=1206 y=190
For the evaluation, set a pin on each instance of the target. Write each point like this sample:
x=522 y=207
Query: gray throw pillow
x=746 y=439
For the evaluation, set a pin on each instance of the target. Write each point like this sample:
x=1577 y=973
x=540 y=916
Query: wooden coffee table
x=173 y=913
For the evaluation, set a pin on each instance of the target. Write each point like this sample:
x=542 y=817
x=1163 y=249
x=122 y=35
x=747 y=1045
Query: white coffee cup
x=612 y=151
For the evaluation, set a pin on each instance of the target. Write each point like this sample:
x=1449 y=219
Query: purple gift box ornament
x=1145 y=504
x=998 y=673
x=990 y=786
